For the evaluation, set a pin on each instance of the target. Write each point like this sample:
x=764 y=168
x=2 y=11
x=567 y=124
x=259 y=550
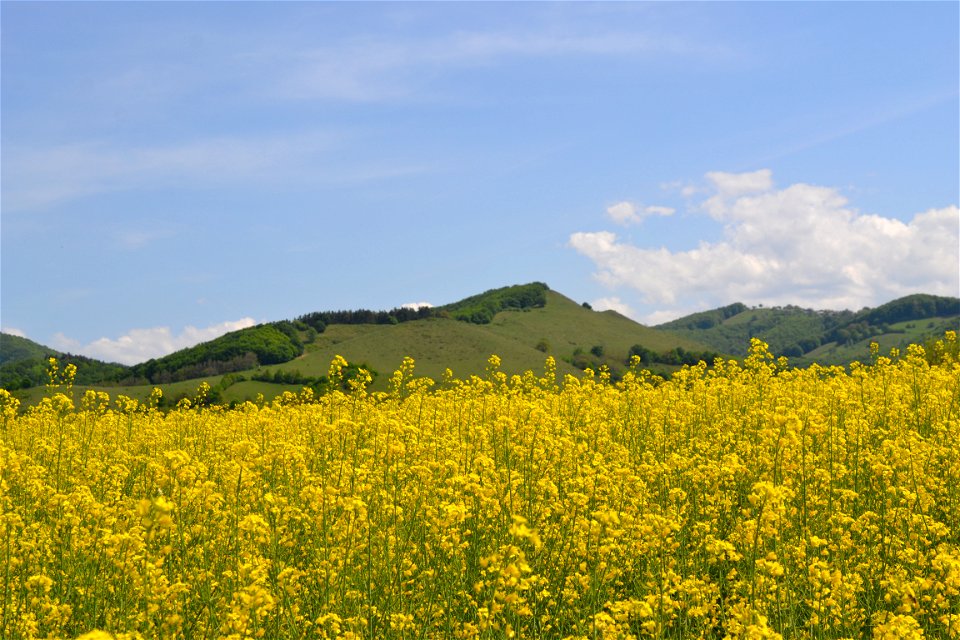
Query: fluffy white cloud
x=799 y=245
x=612 y=303
x=630 y=213
x=623 y=212
x=13 y=332
x=415 y=305
x=139 y=345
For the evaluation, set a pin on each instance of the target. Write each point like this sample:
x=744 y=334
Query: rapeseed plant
x=737 y=501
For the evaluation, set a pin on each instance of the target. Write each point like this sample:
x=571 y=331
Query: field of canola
x=741 y=501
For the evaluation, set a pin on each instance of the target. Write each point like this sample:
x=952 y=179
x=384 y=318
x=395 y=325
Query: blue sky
x=171 y=171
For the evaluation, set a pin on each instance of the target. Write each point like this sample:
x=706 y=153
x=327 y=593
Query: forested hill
x=23 y=363
x=248 y=348
x=478 y=309
x=832 y=337
x=464 y=333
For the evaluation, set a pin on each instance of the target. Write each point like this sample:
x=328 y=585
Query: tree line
x=478 y=309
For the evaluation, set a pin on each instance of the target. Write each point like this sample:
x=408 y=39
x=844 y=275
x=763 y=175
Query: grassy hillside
x=780 y=327
x=897 y=335
x=522 y=338
x=522 y=324
x=435 y=344
x=827 y=337
x=567 y=330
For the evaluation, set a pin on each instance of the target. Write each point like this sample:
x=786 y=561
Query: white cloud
x=623 y=212
x=629 y=213
x=738 y=184
x=415 y=305
x=64 y=343
x=685 y=189
x=612 y=303
x=655 y=210
x=13 y=332
x=799 y=245
x=139 y=345
x=659 y=317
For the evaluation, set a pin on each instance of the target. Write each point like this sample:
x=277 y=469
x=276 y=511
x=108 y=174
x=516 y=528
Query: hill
x=522 y=337
x=14 y=348
x=23 y=364
x=826 y=337
x=239 y=350
x=522 y=324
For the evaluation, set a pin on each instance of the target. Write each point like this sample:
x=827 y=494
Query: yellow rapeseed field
x=745 y=500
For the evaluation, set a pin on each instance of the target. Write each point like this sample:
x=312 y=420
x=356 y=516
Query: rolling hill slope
x=522 y=324
x=825 y=337
x=561 y=328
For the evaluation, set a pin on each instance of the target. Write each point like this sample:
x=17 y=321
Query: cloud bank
x=139 y=345
x=802 y=244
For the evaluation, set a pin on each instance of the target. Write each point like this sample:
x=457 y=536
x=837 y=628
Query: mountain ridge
x=521 y=323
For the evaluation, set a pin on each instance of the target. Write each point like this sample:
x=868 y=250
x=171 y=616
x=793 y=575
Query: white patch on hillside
x=612 y=303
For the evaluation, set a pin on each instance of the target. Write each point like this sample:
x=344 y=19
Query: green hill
x=826 y=337
x=14 y=348
x=730 y=328
x=522 y=337
x=239 y=350
x=522 y=324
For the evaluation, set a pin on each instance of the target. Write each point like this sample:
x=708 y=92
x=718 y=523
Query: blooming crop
x=746 y=500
